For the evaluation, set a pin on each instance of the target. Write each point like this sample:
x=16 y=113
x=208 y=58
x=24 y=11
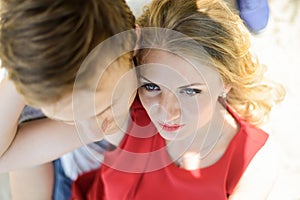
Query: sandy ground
x=277 y=47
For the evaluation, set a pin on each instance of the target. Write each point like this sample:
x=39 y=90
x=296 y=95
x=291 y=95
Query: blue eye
x=190 y=91
x=151 y=87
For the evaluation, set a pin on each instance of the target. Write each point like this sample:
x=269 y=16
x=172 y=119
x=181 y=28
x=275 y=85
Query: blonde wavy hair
x=44 y=42
x=221 y=33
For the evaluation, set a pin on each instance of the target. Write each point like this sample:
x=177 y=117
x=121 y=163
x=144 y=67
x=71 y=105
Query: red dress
x=140 y=168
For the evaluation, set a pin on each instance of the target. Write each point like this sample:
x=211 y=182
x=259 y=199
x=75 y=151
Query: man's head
x=44 y=42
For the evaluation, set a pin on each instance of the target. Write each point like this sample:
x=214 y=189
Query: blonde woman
x=194 y=132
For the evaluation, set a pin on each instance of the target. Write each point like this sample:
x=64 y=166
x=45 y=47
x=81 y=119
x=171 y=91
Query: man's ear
x=138 y=36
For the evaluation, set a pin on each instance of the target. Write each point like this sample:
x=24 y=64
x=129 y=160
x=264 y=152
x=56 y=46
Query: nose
x=169 y=105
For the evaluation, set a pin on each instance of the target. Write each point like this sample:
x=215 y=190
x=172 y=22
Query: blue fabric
x=255 y=14
x=29 y=113
x=62 y=184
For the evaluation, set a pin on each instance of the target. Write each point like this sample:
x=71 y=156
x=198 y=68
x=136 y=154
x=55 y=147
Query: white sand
x=278 y=47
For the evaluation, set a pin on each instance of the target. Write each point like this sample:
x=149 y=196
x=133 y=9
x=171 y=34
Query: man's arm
x=11 y=105
x=38 y=142
x=35 y=142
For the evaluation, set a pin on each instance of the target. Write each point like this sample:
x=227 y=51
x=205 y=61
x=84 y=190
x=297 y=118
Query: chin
x=172 y=136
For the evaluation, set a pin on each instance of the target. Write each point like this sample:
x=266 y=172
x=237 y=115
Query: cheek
x=144 y=99
x=205 y=115
x=199 y=111
x=148 y=102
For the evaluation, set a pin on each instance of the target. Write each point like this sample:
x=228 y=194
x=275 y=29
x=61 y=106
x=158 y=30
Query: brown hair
x=222 y=35
x=43 y=42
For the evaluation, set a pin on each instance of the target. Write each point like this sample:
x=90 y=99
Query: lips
x=170 y=128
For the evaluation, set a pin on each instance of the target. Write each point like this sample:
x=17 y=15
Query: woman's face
x=179 y=98
x=111 y=102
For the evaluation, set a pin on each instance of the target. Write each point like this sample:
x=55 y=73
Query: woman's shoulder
x=247 y=129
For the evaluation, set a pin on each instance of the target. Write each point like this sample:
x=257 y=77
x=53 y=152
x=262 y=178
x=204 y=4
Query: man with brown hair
x=43 y=45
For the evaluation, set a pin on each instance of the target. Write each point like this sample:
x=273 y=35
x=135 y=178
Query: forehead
x=162 y=65
x=115 y=84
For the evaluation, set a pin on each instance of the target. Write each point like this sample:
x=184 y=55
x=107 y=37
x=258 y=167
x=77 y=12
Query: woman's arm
x=260 y=176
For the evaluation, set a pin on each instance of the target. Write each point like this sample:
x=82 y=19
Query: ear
x=138 y=36
x=227 y=88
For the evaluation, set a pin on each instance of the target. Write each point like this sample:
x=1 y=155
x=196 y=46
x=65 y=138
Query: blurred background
x=277 y=47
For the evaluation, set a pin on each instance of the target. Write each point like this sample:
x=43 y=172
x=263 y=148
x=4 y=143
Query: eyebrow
x=146 y=79
x=193 y=84
x=185 y=86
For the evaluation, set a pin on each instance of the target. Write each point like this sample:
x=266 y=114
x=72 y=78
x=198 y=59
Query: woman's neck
x=209 y=143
